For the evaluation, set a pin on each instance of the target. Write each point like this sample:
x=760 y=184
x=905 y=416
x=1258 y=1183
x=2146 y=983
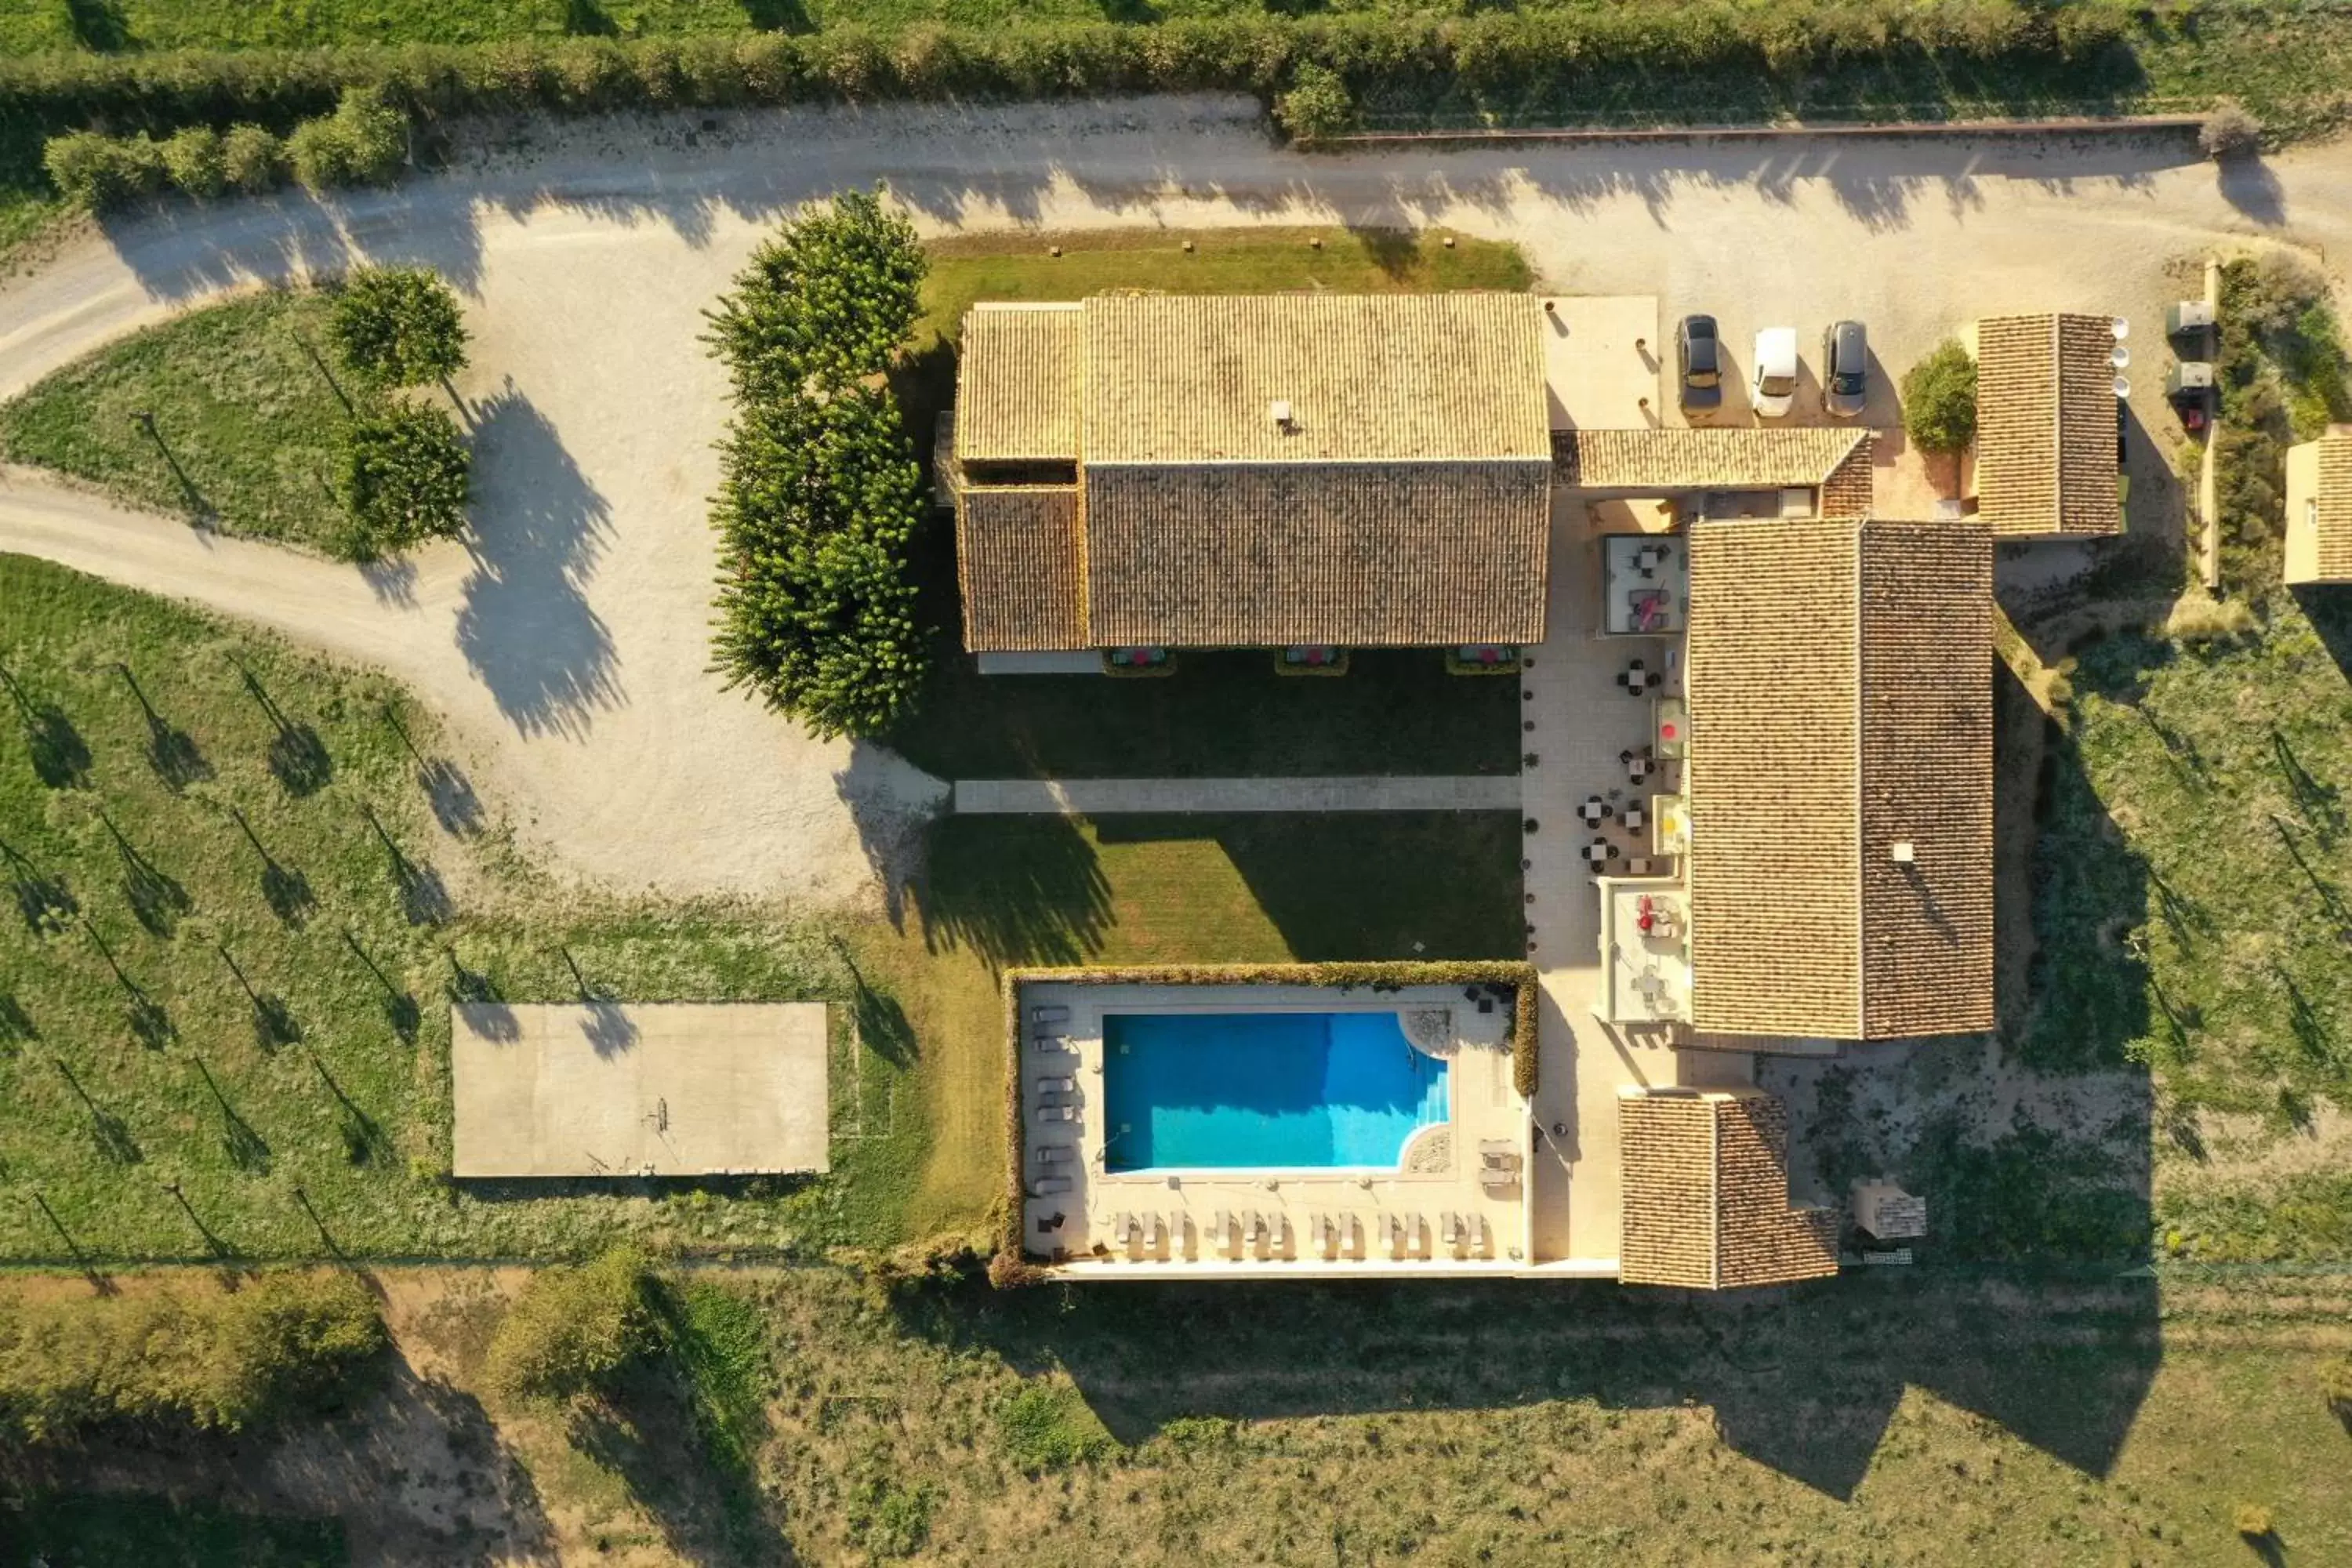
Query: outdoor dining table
x=1598 y=853
x=1594 y=811
x=1637 y=678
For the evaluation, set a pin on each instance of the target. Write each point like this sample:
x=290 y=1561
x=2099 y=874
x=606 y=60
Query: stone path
x=1100 y=797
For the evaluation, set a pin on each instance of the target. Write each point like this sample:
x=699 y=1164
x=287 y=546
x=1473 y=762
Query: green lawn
x=247 y=424
x=114 y=1091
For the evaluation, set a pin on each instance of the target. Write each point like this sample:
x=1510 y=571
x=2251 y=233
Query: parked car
x=1846 y=369
x=1774 y=390
x=1697 y=364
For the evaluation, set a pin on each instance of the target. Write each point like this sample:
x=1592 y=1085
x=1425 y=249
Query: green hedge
x=207 y=1359
x=1010 y=1267
x=1259 y=54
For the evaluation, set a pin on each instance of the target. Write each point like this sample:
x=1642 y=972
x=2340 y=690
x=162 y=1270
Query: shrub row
x=363 y=142
x=212 y=1360
x=1261 y=54
x=1009 y=1267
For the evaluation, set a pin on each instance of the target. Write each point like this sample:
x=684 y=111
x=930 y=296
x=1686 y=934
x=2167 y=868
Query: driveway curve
x=567 y=649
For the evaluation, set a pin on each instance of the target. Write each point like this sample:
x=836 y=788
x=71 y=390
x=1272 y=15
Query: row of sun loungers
x=1241 y=1235
x=1498 y=1165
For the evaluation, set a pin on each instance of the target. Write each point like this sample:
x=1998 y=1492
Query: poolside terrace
x=1453 y=1203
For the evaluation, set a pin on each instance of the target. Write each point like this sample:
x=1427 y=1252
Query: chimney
x=1902 y=854
x=1280 y=412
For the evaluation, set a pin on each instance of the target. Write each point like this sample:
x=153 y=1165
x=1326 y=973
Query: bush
x=573 y=1329
x=405 y=480
x=1940 y=399
x=253 y=160
x=822 y=495
x=2229 y=132
x=2335 y=1387
x=197 y=160
x=1047 y=1426
x=363 y=142
x=2253 y=1521
x=398 y=326
x=97 y=172
x=209 y=1361
x=1317 y=106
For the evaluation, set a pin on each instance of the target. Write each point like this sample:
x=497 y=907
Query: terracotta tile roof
x=1018 y=561
x=1017 y=385
x=1368 y=378
x=1705 y=1194
x=1408 y=504
x=1765 y=456
x=1839 y=679
x=2332 y=497
x=2046 y=425
x=1411 y=554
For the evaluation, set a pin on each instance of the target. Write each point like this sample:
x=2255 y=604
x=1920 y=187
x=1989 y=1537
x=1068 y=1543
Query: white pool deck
x=1337 y=1222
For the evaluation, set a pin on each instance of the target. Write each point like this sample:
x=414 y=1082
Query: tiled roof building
x=1705 y=1198
x=2319 y=510
x=2046 y=425
x=1248 y=471
x=1764 y=457
x=1839 y=778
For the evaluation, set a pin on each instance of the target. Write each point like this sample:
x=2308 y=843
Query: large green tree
x=398 y=326
x=822 y=495
x=405 y=479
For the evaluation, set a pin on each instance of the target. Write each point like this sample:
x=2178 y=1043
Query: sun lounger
x=1047 y=1186
x=1449 y=1227
x=1053 y=1153
x=1057 y=1113
x=1054 y=1086
x=1478 y=1247
x=1220 y=1230
x=1049 y=1015
x=1400 y=1236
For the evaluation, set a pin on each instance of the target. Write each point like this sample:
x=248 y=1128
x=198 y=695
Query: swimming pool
x=1213 y=1091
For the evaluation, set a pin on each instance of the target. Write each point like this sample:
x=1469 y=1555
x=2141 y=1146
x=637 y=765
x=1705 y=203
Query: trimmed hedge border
x=1368 y=52
x=1010 y=1268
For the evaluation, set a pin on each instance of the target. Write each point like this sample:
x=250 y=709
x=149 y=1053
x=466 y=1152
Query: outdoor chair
x=1449 y=1228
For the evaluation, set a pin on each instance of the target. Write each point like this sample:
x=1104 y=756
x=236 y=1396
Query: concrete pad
x=668 y=1089
x=1597 y=376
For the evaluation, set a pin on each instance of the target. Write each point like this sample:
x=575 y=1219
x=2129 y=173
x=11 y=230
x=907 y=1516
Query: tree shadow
x=363 y=1138
x=172 y=752
x=478 y=998
x=883 y=1026
x=298 y=757
x=61 y=758
x=45 y=903
x=284 y=888
x=15 y=1025
x=97 y=24
x=274 y=1023
x=400 y=1008
x=447 y=789
x=2249 y=185
x=1804 y=1380
x=779 y=15
x=588 y=19
x=107 y=1131
x=1014 y=890
x=157 y=900
x=526 y=627
x=245 y=1148
x=424 y=896
x=151 y=1022
x=608 y=1027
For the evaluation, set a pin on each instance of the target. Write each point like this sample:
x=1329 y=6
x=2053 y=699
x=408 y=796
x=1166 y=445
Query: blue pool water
x=1263 y=1090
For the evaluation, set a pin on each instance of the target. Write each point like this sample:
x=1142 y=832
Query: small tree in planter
x=1940 y=399
x=404 y=479
x=399 y=326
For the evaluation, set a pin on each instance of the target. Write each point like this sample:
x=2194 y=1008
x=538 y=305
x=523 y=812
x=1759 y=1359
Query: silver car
x=1846 y=369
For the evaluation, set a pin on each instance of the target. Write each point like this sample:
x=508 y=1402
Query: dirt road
x=568 y=649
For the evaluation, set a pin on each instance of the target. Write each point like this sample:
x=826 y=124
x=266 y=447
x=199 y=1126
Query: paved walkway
x=1101 y=798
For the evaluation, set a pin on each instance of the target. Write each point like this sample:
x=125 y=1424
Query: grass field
x=133 y=1056
x=1921 y=1419
x=247 y=423
x=69 y=1531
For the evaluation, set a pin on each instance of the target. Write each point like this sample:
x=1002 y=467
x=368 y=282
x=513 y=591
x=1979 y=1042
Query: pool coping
x=1016 y=1265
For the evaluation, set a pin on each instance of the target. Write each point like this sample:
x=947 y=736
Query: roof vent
x=1280 y=412
x=1902 y=853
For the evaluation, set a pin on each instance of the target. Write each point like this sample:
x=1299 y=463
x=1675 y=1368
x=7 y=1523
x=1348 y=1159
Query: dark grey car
x=1698 y=366
x=1846 y=369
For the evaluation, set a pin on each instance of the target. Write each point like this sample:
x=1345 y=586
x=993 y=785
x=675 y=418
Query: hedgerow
x=1361 y=53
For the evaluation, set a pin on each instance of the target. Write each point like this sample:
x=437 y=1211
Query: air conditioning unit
x=1886 y=1213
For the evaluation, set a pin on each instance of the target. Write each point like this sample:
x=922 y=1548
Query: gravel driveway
x=567 y=649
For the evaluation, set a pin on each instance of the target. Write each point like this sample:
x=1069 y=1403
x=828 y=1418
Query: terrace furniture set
x=1253 y=1235
x=1499 y=1166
